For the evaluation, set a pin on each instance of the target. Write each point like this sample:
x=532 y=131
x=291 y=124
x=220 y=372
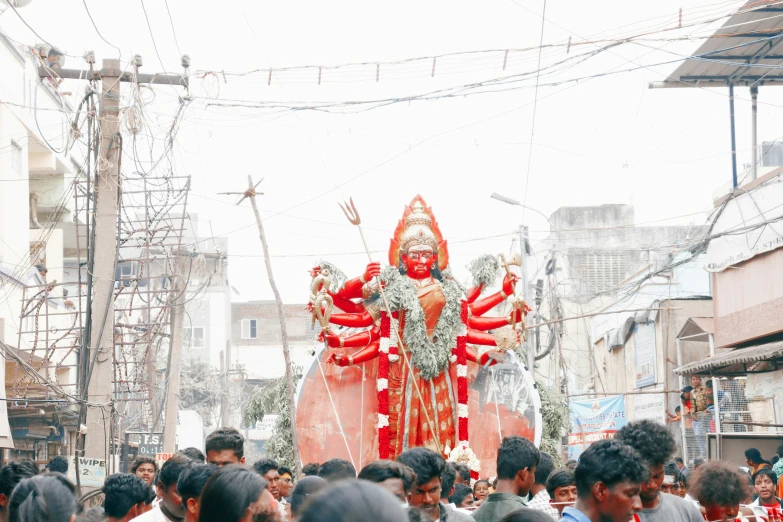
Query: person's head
x=286 y=483
x=698 y=462
x=352 y=500
x=779 y=451
x=561 y=487
x=544 y=468
x=765 y=483
x=43 y=498
x=686 y=393
x=58 y=464
x=311 y=469
x=336 y=469
x=167 y=483
x=267 y=468
x=447 y=479
x=462 y=496
x=126 y=496
x=526 y=515
x=190 y=485
x=394 y=477
x=11 y=475
x=609 y=478
x=145 y=468
x=708 y=384
x=655 y=444
x=753 y=457
x=678 y=410
x=194 y=454
x=671 y=484
x=304 y=490
x=481 y=489
x=695 y=381
x=234 y=494
x=571 y=464
x=463 y=474
x=719 y=488
x=428 y=467
x=517 y=461
x=225 y=446
x=679 y=462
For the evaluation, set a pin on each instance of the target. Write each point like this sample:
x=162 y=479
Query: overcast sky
x=602 y=140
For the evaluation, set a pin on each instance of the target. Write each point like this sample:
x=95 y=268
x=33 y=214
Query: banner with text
x=593 y=420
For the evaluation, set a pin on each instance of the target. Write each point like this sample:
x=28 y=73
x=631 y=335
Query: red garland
x=462 y=382
x=464 y=312
x=384 y=446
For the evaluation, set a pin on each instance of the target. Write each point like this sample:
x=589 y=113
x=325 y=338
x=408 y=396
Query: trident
x=353 y=216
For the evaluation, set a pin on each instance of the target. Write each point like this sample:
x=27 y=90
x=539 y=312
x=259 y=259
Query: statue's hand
x=332 y=339
x=508 y=283
x=373 y=269
x=339 y=360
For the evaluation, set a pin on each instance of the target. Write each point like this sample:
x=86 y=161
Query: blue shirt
x=571 y=514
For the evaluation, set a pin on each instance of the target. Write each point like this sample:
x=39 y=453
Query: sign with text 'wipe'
x=92 y=472
x=593 y=420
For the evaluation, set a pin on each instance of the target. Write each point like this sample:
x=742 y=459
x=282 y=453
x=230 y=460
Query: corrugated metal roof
x=754 y=359
x=746 y=50
x=697 y=329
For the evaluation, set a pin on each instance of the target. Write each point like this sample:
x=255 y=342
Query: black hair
x=678 y=408
x=143 y=460
x=544 y=468
x=482 y=481
x=122 y=491
x=381 y=470
x=571 y=464
x=650 y=439
x=779 y=451
x=515 y=454
x=754 y=455
x=350 y=500
x=58 y=464
x=424 y=462
x=687 y=389
x=718 y=483
x=311 y=469
x=699 y=461
x=171 y=470
x=306 y=487
x=226 y=439
x=460 y=492
x=13 y=473
x=527 y=515
x=610 y=462
x=191 y=481
x=671 y=469
x=43 y=498
x=679 y=460
x=284 y=470
x=464 y=472
x=336 y=469
x=228 y=493
x=194 y=454
x=263 y=466
x=708 y=384
x=560 y=478
x=447 y=479
x=768 y=472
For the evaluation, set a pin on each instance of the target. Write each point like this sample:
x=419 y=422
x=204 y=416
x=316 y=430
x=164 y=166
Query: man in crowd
x=561 y=487
x=11 y=475
x=311 y=469
x=126 y=497
x=765 y=483
x=58 y=464
x=189 y=486
x=680 y=464
x=286 y=483
x=699 y=414
x=463 y=474
x=170 y=508
x=447 y=479
x=516 y=464
x=225 y=446
x=540 y=500
x=608 y=481
x=267 y=468
x=653 y=442
x=425 y=494
x=336 y=469
x=194 y=454
x=394 y=477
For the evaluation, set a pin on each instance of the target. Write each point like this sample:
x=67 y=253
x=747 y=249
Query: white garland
x=383 y=384
x=383 y=421
x=462 y=411
x=462 y=370
x=464 y=455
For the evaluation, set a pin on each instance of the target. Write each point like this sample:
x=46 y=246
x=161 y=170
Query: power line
x=11 y=5
x=174 y=32
x=98 y=31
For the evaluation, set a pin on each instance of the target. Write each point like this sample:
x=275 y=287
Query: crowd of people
x=630 y=478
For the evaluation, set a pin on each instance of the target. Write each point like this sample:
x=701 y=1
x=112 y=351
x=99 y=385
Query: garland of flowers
x=384 y=445
x=484 y=270
x=462 y=377
x=431 y=357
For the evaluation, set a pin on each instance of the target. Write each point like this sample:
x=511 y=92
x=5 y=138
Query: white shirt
x=154 y=515
x=540 y=502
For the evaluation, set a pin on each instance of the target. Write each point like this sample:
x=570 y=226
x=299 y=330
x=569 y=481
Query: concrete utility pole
x=531 y=352
x=225 y=403
x=179 y=287
x=250 y=193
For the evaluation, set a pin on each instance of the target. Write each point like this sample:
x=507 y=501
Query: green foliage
x=554 y=412
x=273 y=399
x=201 y=390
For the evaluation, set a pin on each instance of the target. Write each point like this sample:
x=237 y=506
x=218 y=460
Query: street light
x=516 y=203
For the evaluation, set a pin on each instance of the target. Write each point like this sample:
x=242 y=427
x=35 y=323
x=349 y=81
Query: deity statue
x=423 y=311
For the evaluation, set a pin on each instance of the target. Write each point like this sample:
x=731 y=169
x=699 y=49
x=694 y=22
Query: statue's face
x=419 y=260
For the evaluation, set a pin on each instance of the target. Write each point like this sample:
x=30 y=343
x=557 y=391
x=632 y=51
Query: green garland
x=431 y=357
x=554 y=413
x=484 y=270
x=338 y=276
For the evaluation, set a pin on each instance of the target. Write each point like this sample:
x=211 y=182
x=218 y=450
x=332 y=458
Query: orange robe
x=408 y=424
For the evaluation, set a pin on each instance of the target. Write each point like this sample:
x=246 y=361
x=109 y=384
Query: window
x=193 y=338
x=249 y=329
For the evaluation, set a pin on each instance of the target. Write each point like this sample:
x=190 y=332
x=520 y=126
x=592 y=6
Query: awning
x=697 y=329
x=746 y=50
x=754 y=359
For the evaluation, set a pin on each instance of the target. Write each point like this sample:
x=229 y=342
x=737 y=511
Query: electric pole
x=523 y=241
x=179 y=286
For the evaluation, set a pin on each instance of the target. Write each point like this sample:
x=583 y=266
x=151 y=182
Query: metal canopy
x=746 y=50
x=697 y=329
x=755 y=359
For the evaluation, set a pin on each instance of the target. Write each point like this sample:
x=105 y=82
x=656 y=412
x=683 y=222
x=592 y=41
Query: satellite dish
x=16 y=3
